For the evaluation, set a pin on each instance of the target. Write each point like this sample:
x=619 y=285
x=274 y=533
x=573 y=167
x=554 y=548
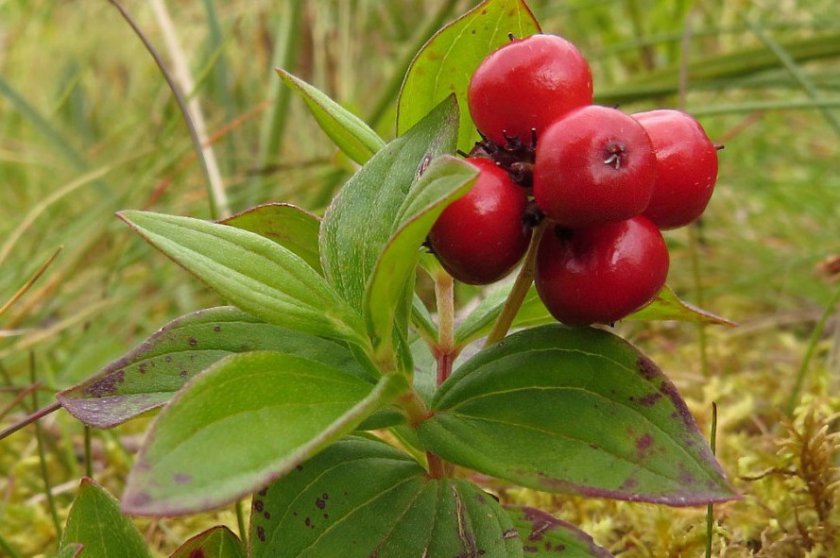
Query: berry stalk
x=520 y=288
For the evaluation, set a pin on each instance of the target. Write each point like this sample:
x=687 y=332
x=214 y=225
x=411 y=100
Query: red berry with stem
x=528 y=84
x=686 y=163
x=480 y=237
x=603 y=273
x=593 y=166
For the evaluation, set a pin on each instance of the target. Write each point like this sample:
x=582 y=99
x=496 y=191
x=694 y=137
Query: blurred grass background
x=88 y=127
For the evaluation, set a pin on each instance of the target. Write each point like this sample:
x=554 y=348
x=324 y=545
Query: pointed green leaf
x=254 y=273
x=348 y=131
x=362 y=498
x=545 y=536
x=248 y=419
x=446 y=179
x=285 y=224
x=216 y=542
x=96 y=523
x=575 y=410
x=362 y=217
x=668 y=306
x=149 y=376
x=447 y=61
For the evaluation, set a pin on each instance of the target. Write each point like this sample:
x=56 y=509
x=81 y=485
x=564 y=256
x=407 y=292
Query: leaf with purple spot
x=361 y=497
x=148 y=376
x=575 y=410
x=545 y=536
x=215 y=542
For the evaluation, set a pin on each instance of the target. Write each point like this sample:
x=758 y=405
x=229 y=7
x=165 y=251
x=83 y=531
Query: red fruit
x=528 y=83
x=687 y=166
x=601 y=274
x=594 y=166
x=481 y=237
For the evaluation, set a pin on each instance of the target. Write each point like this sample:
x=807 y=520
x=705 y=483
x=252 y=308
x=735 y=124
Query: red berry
x=593 y=166
x=687 y=166
x=528 y=83
x=480 y=237
x=601 y=274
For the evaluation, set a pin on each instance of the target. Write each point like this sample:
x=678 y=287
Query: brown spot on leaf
x=107 y=385
x=217 y=328
x=643 y=444
x=192 y=341
x=168 y=358
x=181 y=478
x=261 y=533
x=647 y=368
x=267 y=515
x=320 y=503
x=650 y=399
x=258 y=505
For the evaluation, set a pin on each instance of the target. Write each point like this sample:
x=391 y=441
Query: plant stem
x=437 y=469
x=42 y=457
x=445 y=351
x=240 y=520
x=809 y=352
x=710 y=510
x=191 y=111
x=519 y=290
x=88 y=453
x=34 y=417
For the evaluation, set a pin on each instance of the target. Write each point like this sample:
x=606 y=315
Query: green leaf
x=363 y=215
x=447 y=61
x=96 y=523
x=668 y=306
x=215 y=542
x=289 y=226
x=254 y=273
x=422 y=320
x=148 y=376
x=248 y=419
x=574 y=410
x=362 y=497
x=446 y=179
x=545 y=536
x=480 y=321
x=348 y=131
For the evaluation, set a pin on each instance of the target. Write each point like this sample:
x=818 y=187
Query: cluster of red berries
x=606 y=181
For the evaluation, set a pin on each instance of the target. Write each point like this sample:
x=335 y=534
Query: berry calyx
x=480 y=237
x=595 y=165
x=687 y=166
x=526 y=85
x=600 y=274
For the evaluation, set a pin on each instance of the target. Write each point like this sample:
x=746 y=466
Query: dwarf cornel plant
x=348 y=411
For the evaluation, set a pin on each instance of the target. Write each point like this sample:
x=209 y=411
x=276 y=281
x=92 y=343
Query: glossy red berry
x=528 y=83
x=481 y=237
x=600 y=274
x=687 y=166
x=593 y=166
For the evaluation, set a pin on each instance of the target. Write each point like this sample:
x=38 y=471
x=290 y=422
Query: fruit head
x=528 y=84
x=595 y=165
x=686 y=163
x=480 y=237
x=600 y=274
